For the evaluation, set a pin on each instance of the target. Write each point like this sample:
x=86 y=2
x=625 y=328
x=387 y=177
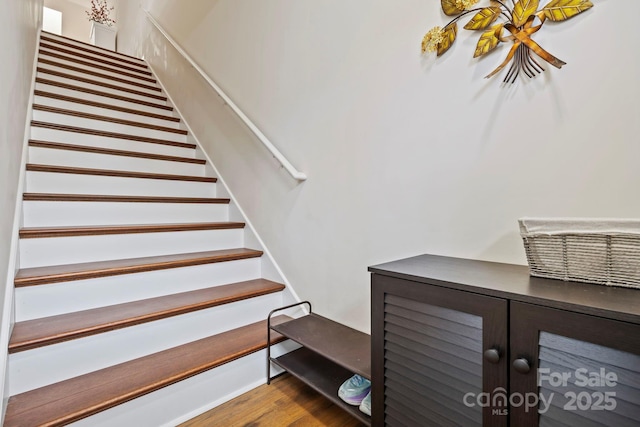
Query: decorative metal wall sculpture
x=517 y=24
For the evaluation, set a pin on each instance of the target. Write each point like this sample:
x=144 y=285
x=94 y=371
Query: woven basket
x=605 y=252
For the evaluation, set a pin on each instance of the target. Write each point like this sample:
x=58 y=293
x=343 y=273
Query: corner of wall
x=8 y=310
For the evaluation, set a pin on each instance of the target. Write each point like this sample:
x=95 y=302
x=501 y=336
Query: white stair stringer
x=46 y=365
x=72 y=181
x=270 y=269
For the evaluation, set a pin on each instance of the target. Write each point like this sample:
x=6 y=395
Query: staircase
x=136 y=302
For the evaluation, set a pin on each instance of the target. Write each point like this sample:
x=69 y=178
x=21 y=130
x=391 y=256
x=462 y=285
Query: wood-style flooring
x=286 y=402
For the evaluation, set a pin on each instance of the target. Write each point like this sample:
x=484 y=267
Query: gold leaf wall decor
x=449 y=36
x=522 y=10
x=488 y=40
x=484 y=18
x=561 y=10
x=518 y=20
x=450 y=7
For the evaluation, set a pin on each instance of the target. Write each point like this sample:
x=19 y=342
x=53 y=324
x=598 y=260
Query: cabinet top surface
x=514 y=282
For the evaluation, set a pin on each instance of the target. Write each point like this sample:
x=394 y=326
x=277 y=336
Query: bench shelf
x=330 y=354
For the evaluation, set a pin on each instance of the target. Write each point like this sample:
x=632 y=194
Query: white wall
x=19 y=22
x=51 y=20
x=75 y=21
x=405 y=154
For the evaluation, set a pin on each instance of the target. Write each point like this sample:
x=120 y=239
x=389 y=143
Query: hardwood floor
x=286 y=402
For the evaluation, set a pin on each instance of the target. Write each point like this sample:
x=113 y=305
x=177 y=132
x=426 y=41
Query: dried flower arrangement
x=99 y=12
x=518 y=22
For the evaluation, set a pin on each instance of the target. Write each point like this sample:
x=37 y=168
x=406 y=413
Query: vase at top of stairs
x=103 y=36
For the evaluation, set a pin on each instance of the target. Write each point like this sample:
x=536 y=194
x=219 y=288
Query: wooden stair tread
x=116 y=173
x=54 y=197
x=89 y=270
x=69 y=231
x=101 y=93
x=84 y=115
x=112 y=152
x=142 y=69
x=99 y=83
x=341 y=344
x=97 y=74
x=93 y=49
x=105 y=106
x=54 y=329
x=106 y=134
x=98 y=66
x=76 y=398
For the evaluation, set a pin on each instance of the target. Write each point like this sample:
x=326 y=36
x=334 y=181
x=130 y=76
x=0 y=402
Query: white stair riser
x=75 y=138
x=112 y=65
x=50 y=214
x=70 y=250
x=101 y=125
x=85 y=46
x=59 y=298
x=50 y=156
x=92 y=86
x=68 y=105
x=186 y=399
x=104 y=99
x=53 y=363
x=128 y=83
x=47 y=182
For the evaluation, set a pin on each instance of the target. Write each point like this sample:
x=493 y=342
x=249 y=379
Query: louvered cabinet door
x=583 y=370
x=428 y=363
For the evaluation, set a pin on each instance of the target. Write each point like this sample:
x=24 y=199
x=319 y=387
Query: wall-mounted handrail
x=265 y=141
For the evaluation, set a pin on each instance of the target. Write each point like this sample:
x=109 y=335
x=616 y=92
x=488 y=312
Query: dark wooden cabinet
x=588 y=368
x=470 y=343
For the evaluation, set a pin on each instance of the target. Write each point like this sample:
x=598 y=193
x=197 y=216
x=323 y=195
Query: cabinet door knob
x=492 y=355
x=521 y=365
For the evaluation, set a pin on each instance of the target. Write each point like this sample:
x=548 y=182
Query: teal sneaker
x=365 y=406
x=354 y=390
